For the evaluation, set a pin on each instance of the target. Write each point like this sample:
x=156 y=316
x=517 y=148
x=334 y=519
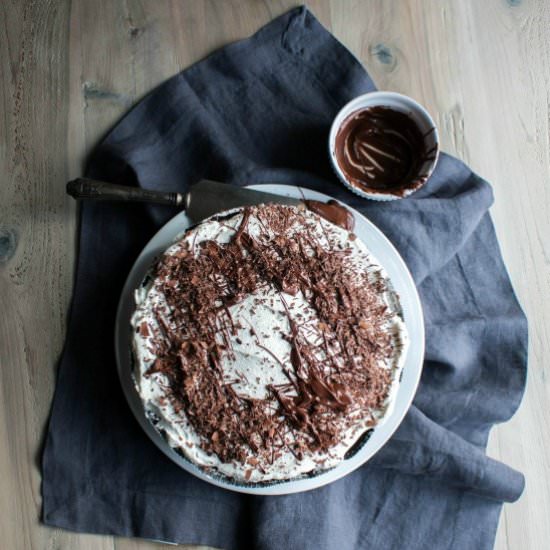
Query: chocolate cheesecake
x=267 y=342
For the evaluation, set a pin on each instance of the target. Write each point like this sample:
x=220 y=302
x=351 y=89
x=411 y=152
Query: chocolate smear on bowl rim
x=328 y=381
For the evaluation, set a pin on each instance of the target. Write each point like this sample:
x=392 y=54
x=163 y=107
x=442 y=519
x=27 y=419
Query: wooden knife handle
x=85 y=188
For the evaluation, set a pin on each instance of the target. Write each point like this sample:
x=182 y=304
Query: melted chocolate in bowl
x=382 y=150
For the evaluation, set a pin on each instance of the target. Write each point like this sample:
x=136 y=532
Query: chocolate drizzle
x=332 y=211
x=333 y=379
x=382 y=150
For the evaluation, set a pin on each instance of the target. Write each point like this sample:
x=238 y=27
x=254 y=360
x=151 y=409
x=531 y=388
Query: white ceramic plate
x=403 y=283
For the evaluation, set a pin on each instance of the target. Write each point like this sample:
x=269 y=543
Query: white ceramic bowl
x=397 y=102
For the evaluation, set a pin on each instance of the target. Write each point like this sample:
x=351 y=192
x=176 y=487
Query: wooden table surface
x=69 y=70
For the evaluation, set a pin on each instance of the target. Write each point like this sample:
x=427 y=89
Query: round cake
x=267 y=344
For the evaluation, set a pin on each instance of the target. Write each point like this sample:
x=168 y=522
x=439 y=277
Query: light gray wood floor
x=69 y=70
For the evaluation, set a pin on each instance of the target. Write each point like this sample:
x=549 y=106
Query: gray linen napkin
x=259 y=111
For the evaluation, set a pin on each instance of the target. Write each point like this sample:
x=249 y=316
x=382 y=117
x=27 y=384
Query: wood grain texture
x=69 y=70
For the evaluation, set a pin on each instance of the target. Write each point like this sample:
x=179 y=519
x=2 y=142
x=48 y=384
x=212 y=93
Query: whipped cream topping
x=261 y=357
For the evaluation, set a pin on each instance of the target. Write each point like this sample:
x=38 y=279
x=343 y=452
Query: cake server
x=203 y=199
